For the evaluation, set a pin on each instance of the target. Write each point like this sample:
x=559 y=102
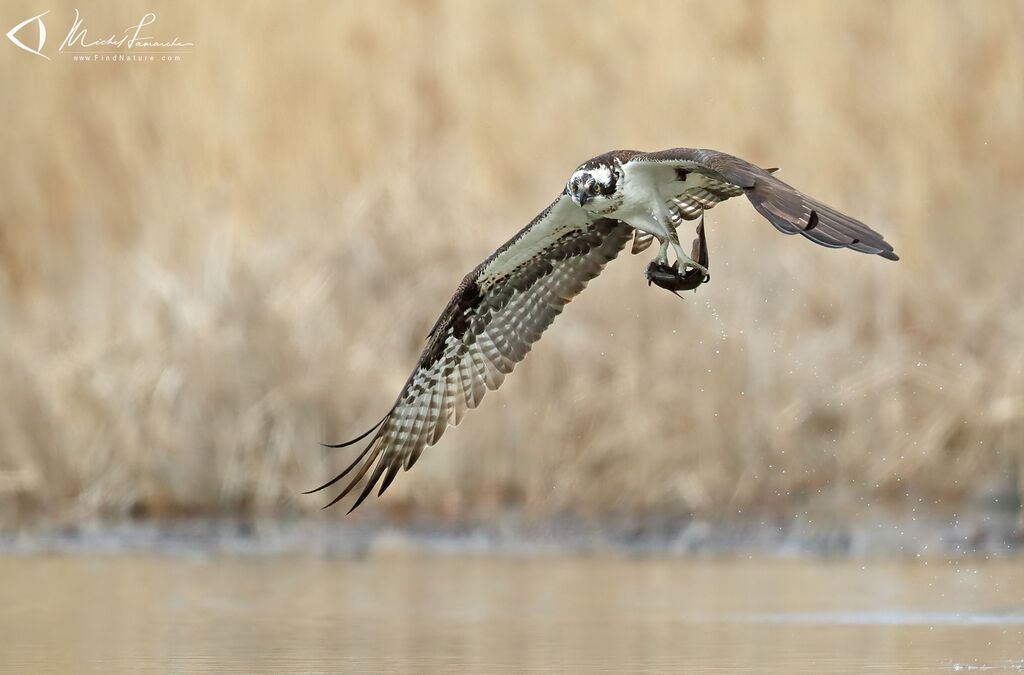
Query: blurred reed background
x=207 y=267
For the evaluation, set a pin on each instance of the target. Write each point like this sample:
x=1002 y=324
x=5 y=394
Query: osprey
x=501 y=307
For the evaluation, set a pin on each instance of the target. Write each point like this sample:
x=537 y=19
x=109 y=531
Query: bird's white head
x=595 y=187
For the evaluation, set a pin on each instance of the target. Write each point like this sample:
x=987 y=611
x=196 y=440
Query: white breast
x=643 y=202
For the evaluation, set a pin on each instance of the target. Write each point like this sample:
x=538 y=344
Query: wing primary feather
x=334 y=501
x=362 y=497
x=342 y=474
x=370 y=483
x=357 y=438
x=350 y=466
x=359 y=476
x=413 y=456
x=389 y=476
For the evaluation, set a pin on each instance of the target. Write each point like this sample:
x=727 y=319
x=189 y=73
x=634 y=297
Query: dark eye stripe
x=610 y=188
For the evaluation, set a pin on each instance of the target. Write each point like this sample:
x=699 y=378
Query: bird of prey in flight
x=501 y=307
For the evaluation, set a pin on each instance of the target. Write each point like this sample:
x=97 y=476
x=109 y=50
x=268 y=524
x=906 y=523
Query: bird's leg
x=676 y=279
x=669 y=221
x=662 y=257
x=682 y=260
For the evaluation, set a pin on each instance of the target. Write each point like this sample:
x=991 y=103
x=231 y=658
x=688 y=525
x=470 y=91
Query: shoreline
x=988 y=534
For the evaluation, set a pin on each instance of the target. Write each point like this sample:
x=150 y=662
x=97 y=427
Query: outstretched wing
x=699 y=179
x=498 y=311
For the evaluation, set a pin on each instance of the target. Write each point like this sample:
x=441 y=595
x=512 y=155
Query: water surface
x=415 y=613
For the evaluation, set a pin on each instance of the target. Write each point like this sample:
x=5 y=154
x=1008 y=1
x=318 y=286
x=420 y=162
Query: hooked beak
x=581 y=195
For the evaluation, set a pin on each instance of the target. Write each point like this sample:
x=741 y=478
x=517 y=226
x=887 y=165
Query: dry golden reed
x=207 y=267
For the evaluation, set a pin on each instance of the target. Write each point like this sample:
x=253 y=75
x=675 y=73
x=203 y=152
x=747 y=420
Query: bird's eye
x=597 y=188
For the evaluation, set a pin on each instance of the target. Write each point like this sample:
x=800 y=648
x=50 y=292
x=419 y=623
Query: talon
x=688 y=272
x=690 y=265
